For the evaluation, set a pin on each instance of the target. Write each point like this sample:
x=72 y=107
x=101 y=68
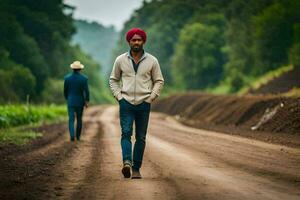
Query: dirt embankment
x=269 y=118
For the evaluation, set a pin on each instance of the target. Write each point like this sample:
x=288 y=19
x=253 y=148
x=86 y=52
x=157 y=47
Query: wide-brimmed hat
x=77 y=65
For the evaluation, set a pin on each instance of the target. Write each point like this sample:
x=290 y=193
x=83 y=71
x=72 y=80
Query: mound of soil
x=281 y=84
x=270 y=118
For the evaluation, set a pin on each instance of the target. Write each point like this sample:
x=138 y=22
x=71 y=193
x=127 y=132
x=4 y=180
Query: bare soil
x=180 y=162
x=269 y=118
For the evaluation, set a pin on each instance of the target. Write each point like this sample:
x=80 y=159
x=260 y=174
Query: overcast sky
x=111 y=12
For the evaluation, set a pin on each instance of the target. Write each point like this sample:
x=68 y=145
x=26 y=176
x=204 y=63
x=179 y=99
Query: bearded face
x=136 y=43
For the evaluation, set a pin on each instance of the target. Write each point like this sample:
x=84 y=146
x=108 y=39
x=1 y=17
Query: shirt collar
x=143 y=56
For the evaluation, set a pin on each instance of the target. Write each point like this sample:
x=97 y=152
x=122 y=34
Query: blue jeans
x=140 y=115
x=72 y=111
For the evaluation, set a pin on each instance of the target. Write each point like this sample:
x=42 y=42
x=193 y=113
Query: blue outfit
x=76 y=92
x=139 y=114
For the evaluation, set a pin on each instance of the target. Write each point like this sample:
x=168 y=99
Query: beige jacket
x=136 y=87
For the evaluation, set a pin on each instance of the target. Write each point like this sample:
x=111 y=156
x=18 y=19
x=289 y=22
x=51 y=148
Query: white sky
x=112 y=12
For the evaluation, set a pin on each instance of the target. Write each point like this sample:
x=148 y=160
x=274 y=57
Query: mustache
x=136 y=48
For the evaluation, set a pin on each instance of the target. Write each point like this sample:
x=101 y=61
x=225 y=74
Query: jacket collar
x=142 y=58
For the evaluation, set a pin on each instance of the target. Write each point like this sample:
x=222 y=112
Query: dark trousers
x=75 y=111
x=140 y=115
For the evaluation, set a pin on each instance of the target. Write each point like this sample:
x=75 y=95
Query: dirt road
x=179 y=163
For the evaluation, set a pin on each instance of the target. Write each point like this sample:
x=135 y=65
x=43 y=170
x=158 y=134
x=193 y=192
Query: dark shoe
x=72 y=139
x=78 y=136
x=126 y=170
x=136 y=174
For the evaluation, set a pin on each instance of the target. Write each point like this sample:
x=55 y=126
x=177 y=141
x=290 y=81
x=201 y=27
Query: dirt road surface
x=179 y=163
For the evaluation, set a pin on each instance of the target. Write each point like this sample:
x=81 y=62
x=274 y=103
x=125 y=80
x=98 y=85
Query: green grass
x=223 y=88
x=295 y=92
x=16 y=115
x=17 y=136
x=14 y=119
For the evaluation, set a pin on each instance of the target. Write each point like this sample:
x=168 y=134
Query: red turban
x=137 y=31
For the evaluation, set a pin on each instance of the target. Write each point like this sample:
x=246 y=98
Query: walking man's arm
x=158 y=81
x=86 y=93
x=114 y=80
x=65 y=90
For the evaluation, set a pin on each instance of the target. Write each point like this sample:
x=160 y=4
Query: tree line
x=205 y=44
x=36 y=52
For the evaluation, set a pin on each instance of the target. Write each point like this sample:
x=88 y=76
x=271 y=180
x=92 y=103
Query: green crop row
x=16 y=115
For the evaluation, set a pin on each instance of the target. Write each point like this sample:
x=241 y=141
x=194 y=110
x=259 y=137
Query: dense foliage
x=36 y=52
x=203 y=44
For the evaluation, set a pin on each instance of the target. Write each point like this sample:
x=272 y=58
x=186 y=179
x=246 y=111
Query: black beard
x=136 y=49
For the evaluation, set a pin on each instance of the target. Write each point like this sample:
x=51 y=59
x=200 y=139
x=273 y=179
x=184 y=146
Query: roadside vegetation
x=295 y=92
x=16 y=121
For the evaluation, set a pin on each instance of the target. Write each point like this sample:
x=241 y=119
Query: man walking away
x=76 y=92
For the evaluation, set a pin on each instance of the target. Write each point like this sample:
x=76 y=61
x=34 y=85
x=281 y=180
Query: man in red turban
x=135 y=81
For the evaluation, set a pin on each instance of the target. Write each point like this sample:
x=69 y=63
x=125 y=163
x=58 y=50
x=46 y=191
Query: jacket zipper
x=135 y=74
x=135 y=87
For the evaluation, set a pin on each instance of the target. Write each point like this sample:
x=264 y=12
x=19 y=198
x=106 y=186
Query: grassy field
x=14 y=119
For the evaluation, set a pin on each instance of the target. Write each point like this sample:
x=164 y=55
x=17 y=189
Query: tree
x=197 y=62
x=22 y=82
x=294 y=51
x=53 y=92
x=35 y=47
x=22 y=49
x=272 y=36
